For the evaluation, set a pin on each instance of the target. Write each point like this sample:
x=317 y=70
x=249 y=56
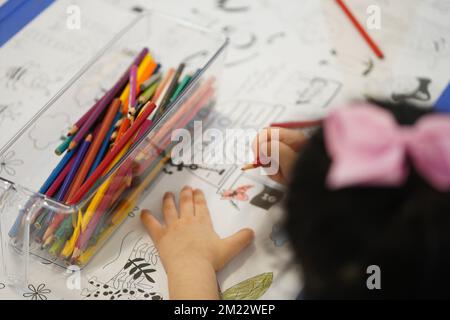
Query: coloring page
x=287 y=59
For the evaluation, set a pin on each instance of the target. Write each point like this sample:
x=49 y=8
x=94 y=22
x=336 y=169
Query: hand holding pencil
x=289 y=141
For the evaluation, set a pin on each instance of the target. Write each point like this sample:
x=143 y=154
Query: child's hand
x=190 y=249
x=290 y=143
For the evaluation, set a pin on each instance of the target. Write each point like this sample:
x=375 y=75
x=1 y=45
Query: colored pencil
x=96 y=145
x=66 y=185
x=162 y=85
x=123 y=128
x=145 y=70
x=55 y=173
x=360 y=29
x=133 y=86
x=82 y=120
x=146 y=74
x=172 y=86
x=73 y=171
x=181 y=87
x=161 y=92
x=150 y=81
x=297 y=124
x=286 y=125
x=93 y=206
x=113 y=153
x=104 y=103
x=104 y=146
x=257 y=163
x=64 y=145
x=143 y=99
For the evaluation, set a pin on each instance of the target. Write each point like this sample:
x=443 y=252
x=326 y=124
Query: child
x=365 y=191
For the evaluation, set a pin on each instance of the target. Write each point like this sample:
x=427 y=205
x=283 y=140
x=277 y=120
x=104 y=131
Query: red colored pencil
x=103 y=166
x=297 y=124
x=361 y=30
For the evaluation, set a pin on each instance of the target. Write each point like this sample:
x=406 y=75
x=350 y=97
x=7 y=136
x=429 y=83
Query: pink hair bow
x=368 y=148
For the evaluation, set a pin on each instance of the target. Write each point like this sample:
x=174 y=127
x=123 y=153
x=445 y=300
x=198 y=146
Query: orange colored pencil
x=122 y=129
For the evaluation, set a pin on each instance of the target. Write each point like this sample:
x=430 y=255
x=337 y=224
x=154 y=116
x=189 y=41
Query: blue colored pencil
x=55 y=173
x=62 y=192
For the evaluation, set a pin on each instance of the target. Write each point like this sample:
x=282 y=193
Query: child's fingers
x=236 y=243
x=152 y=225
x=169 y=209
x=293 y=138
x=186 y=202
x=201 y=207
x=285 y=160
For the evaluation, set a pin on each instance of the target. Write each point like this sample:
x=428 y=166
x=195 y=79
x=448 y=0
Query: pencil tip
x=72 y=145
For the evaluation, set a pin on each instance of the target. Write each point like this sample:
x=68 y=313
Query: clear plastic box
x=171 y=41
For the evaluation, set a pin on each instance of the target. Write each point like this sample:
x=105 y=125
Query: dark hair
x=336 y=235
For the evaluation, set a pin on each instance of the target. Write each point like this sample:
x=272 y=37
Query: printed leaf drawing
x=139 y=266
x=134 y=281
x=250 y=289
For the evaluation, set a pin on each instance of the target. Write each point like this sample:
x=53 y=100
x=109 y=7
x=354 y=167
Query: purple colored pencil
x=133 y=84
x=105 y=102
x=73 y=171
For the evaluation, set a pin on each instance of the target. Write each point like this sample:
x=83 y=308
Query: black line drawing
x=192 y=58
x=278 y=235
x=242 y=61
x=203 y=18
x=2 y=286
x=28 y=76
x=10 y=111
x=120 y=250
x=9 y=162
x=370 y=65
x=132 y=213
x=225 y=6
x=179 y=167
x=421 y=93
x=272 y=38
x=315 y=93
x=138 y=267
x=137 y=9
x=134 y=281
x=242 y=42
x=39 y=293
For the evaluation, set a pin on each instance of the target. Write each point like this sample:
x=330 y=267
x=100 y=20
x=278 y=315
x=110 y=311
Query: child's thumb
x=236 y=243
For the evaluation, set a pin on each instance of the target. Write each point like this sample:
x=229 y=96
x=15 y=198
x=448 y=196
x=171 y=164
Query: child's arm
x=190 y=249
x=290 y=141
